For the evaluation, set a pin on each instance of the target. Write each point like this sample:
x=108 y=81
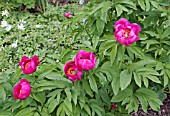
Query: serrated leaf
x=125 y=79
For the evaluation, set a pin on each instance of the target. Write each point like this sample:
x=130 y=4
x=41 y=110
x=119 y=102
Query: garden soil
x=164 y=111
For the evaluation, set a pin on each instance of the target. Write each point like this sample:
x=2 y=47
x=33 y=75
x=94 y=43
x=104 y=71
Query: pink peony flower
x=72 y=72
x=125 y=32
x=114 y=106
x=22 y=90
x=85 y=60
x=29 y=65
x=68 y=15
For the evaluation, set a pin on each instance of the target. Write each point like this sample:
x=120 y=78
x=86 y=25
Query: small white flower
x=5 y=12
x=14 y=45
x=21 y=27
x=81 y=2
x=38 y=26
x=22 y=21
x=4 y=23
x=1 y=48
x=84 y=20
x=8 y=27
x=57 y=60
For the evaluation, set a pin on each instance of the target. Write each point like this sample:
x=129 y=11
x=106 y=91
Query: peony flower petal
x=126 y=33
x=29 y=66
x=85 y=60
x=72 y=72
x=22 y=90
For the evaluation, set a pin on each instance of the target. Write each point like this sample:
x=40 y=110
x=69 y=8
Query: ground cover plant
x=100 y=58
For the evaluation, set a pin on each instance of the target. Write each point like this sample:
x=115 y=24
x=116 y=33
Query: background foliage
x=128 y=76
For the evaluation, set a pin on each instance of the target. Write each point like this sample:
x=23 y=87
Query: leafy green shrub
x=127 y=76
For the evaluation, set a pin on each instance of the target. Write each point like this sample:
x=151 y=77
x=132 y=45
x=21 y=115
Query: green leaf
x=52 y=105
x=68 y=93
x=167 y=72
x=155 y=4
x=100 y=25
x=137 y=78
x=113 y=54
x=147 y=5
x=87 y=109
x=145 y=80
x=119 y=10
x=152 y=78
x=137 y=51
x=125 y=79
x=93 y=84
x=106 y=45
x=101 y=77
x=159 y=66
x=122 y=95
x=147 y=22
x=68 y=104
x=115 y=85
x=6 y=113
x=166 y=33
x=143 y=101
x=147 y=92
x=26 y=111
x=166 y=79
x=53 y=76
x=142 y=4
x=87 y=88
x=104 y=96
x=44 y=74
x=2 y=93
x=60 y=109
x=40 y=97
x=36 y=114
x=88 y=44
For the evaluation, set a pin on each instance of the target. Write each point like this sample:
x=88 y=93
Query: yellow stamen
x=126 y=34
x=26 y=65
x=20 y=92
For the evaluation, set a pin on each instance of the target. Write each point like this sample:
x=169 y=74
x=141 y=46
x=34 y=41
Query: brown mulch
x=164 y=110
